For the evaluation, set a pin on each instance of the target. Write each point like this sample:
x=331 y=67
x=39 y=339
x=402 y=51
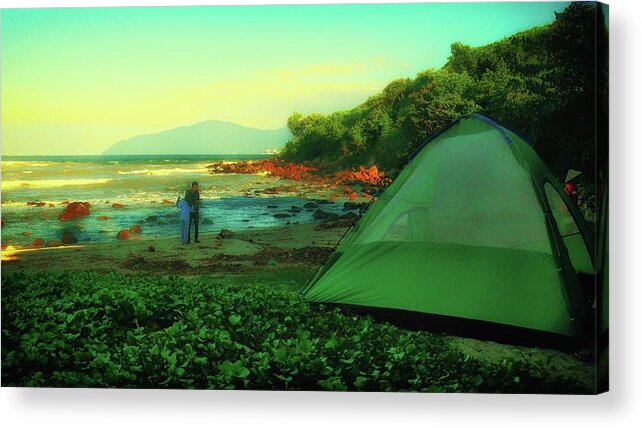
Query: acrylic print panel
x=236 y=198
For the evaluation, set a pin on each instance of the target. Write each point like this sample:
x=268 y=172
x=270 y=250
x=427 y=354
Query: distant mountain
x=208 y=137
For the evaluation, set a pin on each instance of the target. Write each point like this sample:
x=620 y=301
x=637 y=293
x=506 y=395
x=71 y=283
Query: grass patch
x=291 y=278
x=84 y=329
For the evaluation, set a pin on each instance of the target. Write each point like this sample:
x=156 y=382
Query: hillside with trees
x=540 y=82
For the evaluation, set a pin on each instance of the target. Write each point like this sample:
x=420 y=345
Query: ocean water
x=140 y=183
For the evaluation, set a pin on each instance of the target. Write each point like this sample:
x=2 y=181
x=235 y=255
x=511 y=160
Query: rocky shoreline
x=322 y=218
x=346 y=194
x=372 y=180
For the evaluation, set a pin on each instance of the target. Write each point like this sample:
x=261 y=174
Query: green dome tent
x=475 y=228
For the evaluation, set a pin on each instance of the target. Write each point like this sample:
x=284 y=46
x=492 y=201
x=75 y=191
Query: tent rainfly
x=476 y=233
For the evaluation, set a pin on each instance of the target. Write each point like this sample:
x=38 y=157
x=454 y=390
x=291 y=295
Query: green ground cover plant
x=84 y=329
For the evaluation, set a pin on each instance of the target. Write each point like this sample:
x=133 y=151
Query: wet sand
x=247 y=250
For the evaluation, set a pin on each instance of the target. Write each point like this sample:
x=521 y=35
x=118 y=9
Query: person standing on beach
x=184 y=219
x=193 y=198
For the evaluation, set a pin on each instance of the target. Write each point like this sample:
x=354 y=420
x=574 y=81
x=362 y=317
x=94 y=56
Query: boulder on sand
x=225 y=234
x=26 y=233
x=75 y=210
x=281 y=215
x=38 y=242
x=167 y=202
x=348 y=206
x=123 y=234
x=279 y=189
x=118 y=206
x=331 y=224
x=324 y=215
x=135 y=229
x=103 y=217
x=348 y=216
x=68 y=238
x=311 y=205
x=152 y=218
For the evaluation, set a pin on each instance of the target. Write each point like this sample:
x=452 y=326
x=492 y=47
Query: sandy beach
x=248 y=250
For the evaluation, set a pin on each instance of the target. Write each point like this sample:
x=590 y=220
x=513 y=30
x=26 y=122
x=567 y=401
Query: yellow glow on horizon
x=83 y=116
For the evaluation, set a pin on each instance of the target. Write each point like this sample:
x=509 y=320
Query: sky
x=77 y=80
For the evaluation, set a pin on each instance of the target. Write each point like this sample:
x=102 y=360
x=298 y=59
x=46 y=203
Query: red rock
x=274 y=167
x=38 y=242
x=118 y=206
x=68 y=238
x=75 y=210
x=135 y=229
x=54 y=243
x=123 y=234
x=167 y=202
x=26 y=233
x=103 y=217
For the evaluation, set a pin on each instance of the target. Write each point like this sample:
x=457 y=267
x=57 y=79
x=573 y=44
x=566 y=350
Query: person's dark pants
x=193 y=218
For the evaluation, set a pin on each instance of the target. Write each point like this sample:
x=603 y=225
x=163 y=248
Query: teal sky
x=75 y=81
